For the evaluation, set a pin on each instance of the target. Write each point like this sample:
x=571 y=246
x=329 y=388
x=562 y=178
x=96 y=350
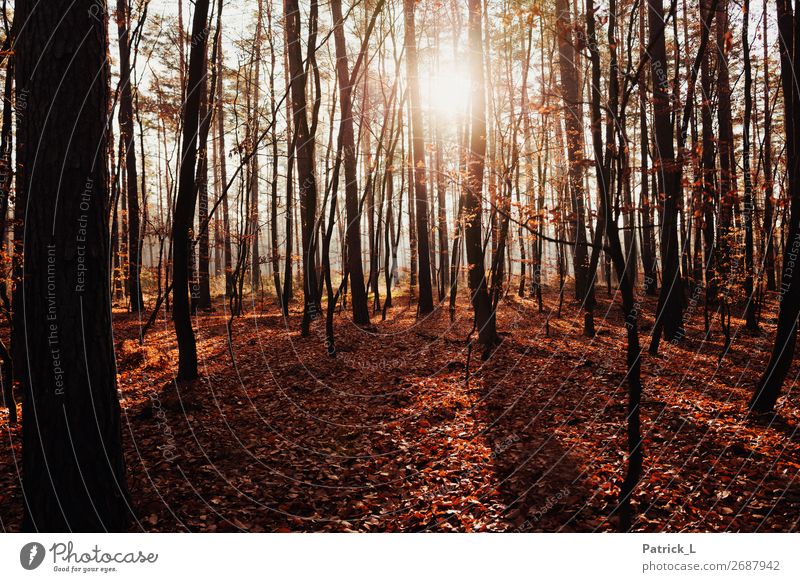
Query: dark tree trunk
x=274 y=247
x=670 y=301
x=769 y=206
x=187 y=198
x=223 y=171
x=750 y=307
x=73 y=466
x=412 y=218
x=288 y=276
x=626 y=286
x=418 y=156
x=573 y=126
x=129 y=144
x=727 y=165
x=769 y=385
x=441 y=191
x=648 y=227
x=353 y=231
x=708 y=190
x=473 y=185
x=304 y=158
x=202 y=298
x=255 y=265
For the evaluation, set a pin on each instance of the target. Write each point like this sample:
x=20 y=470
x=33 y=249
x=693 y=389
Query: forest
x=399 y=266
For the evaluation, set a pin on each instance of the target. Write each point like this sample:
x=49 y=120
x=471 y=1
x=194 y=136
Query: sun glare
x=449 y=94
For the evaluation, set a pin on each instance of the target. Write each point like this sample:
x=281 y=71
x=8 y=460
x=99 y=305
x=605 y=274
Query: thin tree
x=304 y=160
x=750 y=307
x=484 y=322
x=127 y=139
x=208 y=92
x=573 y=125
x=769 y=186
x=418 y=157
x=769 y=385
x=355 y=267
x=187 y=198
x=669 y=313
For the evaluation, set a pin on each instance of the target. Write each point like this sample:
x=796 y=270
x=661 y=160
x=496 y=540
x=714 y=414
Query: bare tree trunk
x=669 y=313
x=304 y=157
x=6 y=176
x=288 y=276
x=353 y=232
x=750 y=307
x=187 y=199
x=418 y=155
x=769 y=206
x=573 y=122
x=203 y=299
x=223 y=171
x=129 y=144
x=255 y=269
x=769 y=385
x=473 y=186
x=72 y=459
x=629 y=305
x=274 y=246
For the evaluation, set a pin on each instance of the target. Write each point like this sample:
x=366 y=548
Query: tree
x=304 y=160
x=624 y=275
x=768 y=387
x=73 y=466
x=473 y=185
x=253 y=128
x=227 y=252
x=750 y=307
x=573 y=126
x=182 y=224
x=669 y=314
x=418 y=157
x=127 y=140
x=207 y=98
x=768 y=226
x=6 y=178
x=355 y=267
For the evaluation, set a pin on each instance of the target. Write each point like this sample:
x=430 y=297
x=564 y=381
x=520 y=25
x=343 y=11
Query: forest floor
x=389 y=436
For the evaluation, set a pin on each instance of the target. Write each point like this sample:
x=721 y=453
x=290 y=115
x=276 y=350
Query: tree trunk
x=274 y=247
x=254 y=165
x=353 y=232
x=648 y=225
x=670 y=301
x=769 y=385
x=629 y=305
x=473 y=185
x=573 y=124
x=6 y=176
x=418 y=156
x=207 y=97
x=223 y=171
x=73 y=465
x=750 y=307
x=769 y=205
x=129 y=145
x=304 y=158
x=187 y=198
